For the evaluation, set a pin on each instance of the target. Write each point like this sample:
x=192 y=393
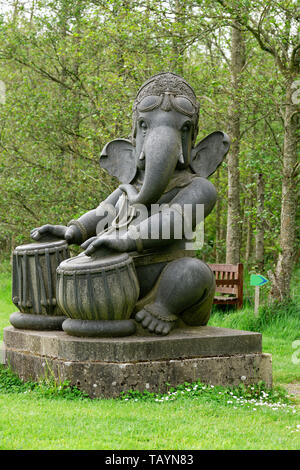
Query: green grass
x=54 y=416
x=38 y=416
x=28 y=423
x=6 y=305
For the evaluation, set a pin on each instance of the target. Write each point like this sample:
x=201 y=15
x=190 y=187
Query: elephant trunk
x=163 y=149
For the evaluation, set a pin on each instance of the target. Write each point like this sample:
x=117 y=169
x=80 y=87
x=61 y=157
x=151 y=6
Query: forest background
x=69 y=72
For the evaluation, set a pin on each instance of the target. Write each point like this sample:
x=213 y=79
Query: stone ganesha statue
x=160 y=165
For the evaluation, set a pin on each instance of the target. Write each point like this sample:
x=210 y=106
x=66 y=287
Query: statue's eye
x=143 y=125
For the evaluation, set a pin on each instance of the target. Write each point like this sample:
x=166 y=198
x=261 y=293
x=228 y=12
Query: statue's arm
x=80 y=229
x=85 y=226
x=151 y=231
x=185 y=214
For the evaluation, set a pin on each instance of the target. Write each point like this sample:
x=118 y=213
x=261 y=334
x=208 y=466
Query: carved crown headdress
x=180 y=95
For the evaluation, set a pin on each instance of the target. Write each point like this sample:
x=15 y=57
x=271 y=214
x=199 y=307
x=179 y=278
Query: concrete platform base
x=104 y=367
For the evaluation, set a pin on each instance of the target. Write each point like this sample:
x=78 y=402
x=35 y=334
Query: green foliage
x=11 y=383
x=71 y=72
x=241 y=395
x=47 y=388
x=282 y=319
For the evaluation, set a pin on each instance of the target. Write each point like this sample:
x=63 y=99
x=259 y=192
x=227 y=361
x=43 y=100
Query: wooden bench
x=229 y=281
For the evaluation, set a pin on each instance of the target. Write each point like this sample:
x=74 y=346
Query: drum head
x=36 y=246
x=83 y=263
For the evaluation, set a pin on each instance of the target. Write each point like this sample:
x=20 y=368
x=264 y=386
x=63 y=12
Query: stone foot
x=159 y=326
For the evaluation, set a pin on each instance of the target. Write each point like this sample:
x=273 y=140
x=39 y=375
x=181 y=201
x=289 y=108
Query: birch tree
x=233 y=238
x=275 y=26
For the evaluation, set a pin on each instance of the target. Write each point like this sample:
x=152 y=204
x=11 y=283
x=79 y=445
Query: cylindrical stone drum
x=98 y=294
x=34 y=284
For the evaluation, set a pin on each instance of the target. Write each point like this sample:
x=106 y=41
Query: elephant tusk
x=129 y=190
x=142 y=155
x=181 y=159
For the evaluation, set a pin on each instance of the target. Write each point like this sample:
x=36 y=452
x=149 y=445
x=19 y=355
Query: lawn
x=107 y=424
x=30 y=420
x=6 y=305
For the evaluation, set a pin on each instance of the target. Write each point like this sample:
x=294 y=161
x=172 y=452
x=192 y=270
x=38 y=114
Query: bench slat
x=227 y=290
x=229 y=280
x=224 y=267
x=226 y=300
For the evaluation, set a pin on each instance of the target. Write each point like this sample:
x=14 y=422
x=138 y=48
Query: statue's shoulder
x=180 y=179
x=204 y=188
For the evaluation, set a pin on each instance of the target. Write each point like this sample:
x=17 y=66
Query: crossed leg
x=185 y=284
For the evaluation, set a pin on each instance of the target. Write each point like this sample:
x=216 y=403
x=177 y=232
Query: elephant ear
x=118 y=159
x=209 y=153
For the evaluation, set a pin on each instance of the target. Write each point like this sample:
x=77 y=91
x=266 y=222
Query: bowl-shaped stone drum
x=97 y=288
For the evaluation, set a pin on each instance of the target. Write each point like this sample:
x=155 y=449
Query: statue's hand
x=88 y=242
x=59 y=231
x=116 y=244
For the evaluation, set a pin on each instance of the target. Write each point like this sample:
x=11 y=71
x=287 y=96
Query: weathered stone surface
x=105 y=379
x=105 y=368
x=182 y=343
x=2 y=353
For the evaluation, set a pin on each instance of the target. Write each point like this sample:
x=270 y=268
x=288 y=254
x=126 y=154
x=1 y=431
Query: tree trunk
x=15 y=12
x=218 y=219
x=249 y=231
x=260 y=230
x=32 y=13
x=177 y=61
x=249 y=237
x=233 y=238
x=282 y=277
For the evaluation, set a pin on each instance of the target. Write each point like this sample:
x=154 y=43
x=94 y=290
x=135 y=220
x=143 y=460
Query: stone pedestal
x=104 y=367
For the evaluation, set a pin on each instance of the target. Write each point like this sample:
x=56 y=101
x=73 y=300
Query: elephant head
x=165 y=126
